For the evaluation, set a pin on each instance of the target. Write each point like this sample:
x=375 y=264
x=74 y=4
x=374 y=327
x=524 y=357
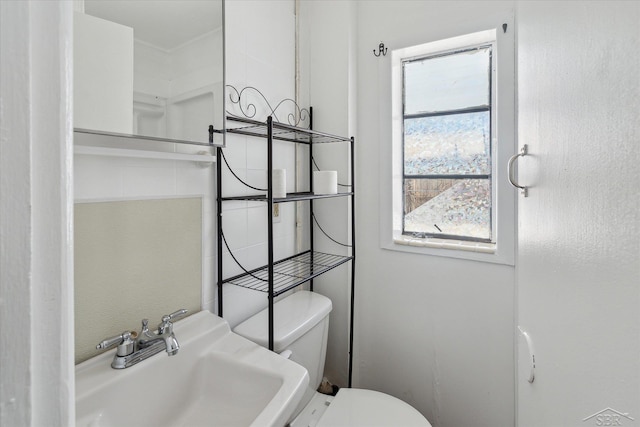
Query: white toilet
x=301 y=324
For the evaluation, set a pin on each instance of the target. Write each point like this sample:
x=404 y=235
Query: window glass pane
x=457 y=207
x=448 y=82
x=444 y=145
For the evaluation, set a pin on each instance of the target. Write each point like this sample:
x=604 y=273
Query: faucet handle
x=174 y=315
x=124 y=342
x=167 y=318
x=110 y=342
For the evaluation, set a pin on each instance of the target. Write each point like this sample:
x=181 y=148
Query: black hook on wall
x=381 y=50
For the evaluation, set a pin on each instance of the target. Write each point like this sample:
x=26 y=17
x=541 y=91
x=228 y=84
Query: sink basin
x=217 y=379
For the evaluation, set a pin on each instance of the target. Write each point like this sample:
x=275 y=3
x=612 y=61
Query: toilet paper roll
x=279 y=183
x=325 y=182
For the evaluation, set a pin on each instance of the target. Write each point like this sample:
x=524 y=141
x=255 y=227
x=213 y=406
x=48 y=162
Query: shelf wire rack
x=289 y=272
x=282 y=132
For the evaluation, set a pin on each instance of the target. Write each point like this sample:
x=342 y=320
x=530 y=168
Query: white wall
x=36 y=255
x=433 y=331
x=260 y=52
x=327 y=32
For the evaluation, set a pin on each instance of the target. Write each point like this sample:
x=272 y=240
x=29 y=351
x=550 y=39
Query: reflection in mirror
x=150 y=68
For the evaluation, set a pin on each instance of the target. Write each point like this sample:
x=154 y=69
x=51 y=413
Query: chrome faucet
x=165 y=333
x=135 y=347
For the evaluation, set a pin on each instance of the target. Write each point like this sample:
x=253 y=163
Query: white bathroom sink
x=217 y=379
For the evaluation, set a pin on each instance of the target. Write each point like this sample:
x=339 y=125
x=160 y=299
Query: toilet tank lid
x=293 y=316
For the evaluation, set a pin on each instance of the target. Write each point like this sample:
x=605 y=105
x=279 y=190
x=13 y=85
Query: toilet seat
x=359 y=408
x=368 y=408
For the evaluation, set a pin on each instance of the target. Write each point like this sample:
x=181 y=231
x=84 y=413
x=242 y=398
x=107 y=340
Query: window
x=451 y=130
x=447 y=145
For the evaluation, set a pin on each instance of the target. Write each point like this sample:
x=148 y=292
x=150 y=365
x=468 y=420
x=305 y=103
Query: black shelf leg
x=219 y=225
x=270 y=224
x=311 y=190
x=353 y=261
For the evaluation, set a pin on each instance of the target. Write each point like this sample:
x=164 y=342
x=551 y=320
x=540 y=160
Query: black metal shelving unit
x=280 y=276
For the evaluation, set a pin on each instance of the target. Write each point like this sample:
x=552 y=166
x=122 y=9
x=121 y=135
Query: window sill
x=457 y=249
x=460 y=245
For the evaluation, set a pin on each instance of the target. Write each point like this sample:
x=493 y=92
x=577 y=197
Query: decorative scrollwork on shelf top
x=245 y=102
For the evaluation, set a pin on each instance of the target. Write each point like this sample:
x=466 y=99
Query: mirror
x=150 y=69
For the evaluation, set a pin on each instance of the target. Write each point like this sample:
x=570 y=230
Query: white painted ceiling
x=163 y=23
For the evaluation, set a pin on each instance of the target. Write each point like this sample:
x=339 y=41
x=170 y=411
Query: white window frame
x=503 y=144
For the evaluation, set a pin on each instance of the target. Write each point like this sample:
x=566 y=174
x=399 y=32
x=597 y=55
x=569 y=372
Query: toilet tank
x=301 y=325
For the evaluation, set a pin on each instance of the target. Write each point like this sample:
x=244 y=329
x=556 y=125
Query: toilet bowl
x=301 y=323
